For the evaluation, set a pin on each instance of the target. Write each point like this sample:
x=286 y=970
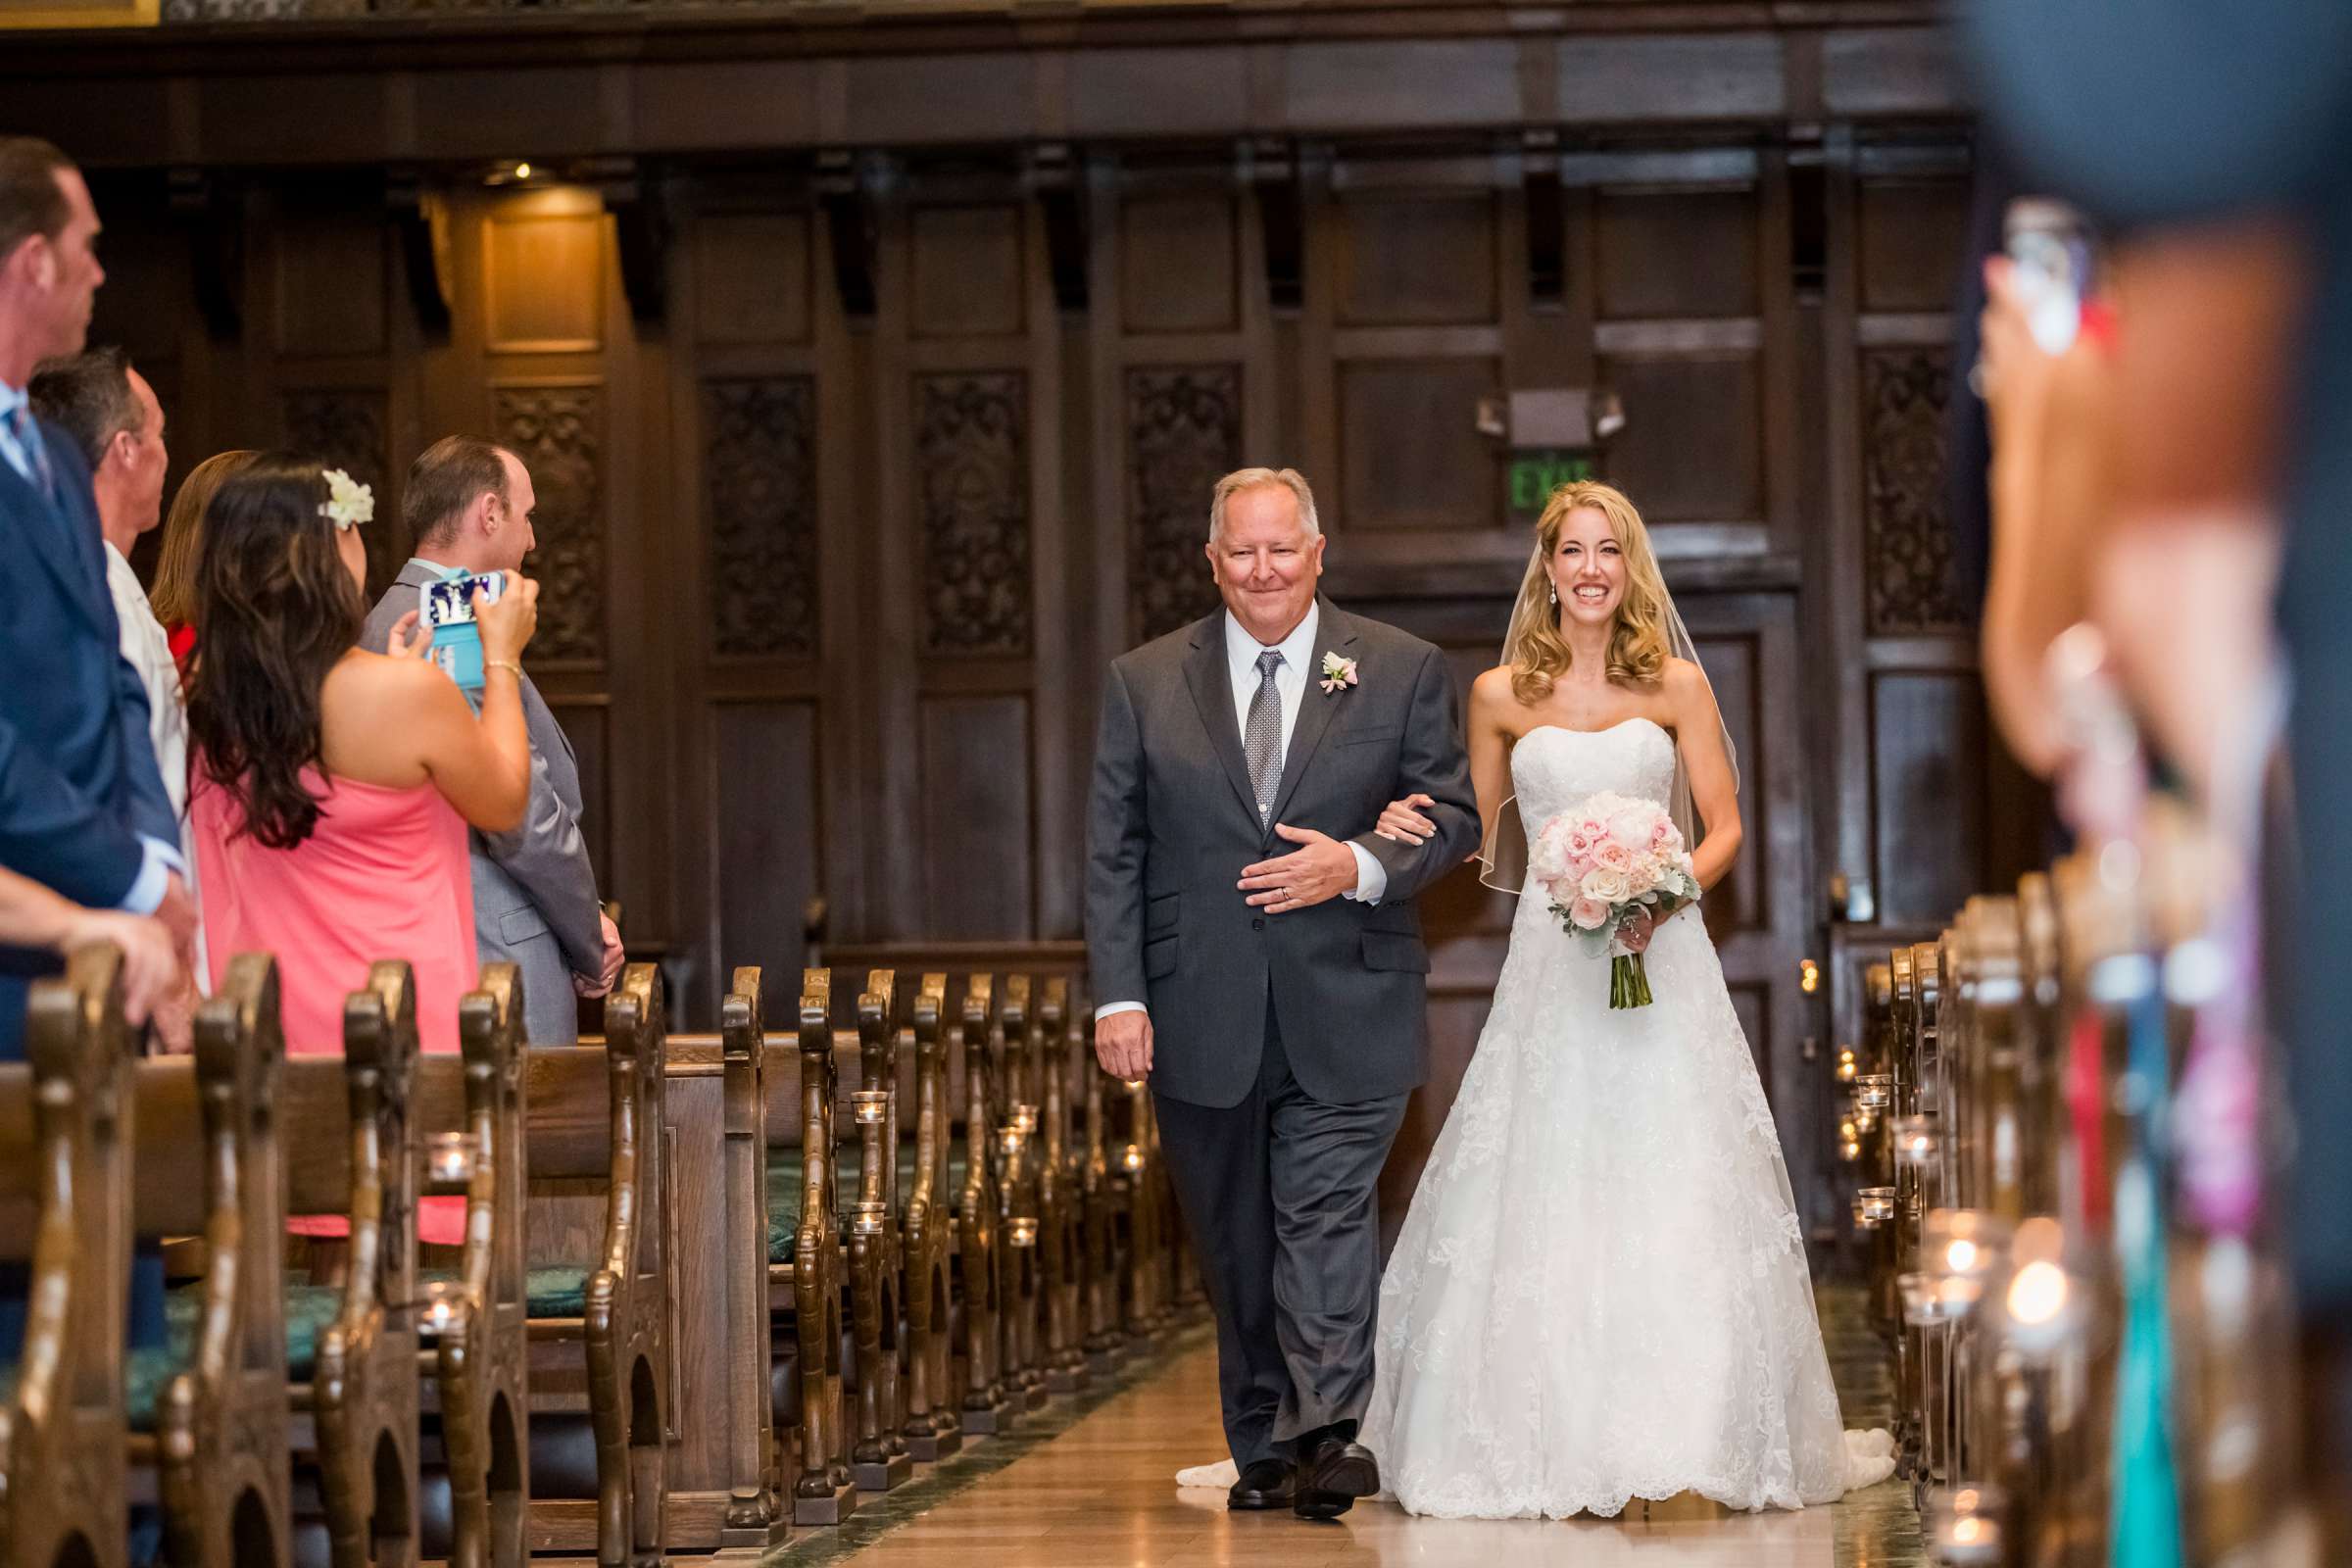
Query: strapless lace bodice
x=1553 y=769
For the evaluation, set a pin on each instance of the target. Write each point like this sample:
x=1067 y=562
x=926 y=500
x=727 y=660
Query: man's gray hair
x=1241 y=480
x=89 y=394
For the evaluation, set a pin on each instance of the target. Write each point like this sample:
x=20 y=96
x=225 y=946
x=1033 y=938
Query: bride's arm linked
x=1404 y=822
x=1430 y=764
x=1714 y=787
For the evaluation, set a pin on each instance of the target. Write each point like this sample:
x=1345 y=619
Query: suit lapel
x=45 y=525
x=1212 y=693
x=1316 y=706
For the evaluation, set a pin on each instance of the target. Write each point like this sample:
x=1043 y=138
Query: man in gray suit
x=467 y=505
x=1276 y=1000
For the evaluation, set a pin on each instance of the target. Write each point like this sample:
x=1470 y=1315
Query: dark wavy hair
x=277 y=609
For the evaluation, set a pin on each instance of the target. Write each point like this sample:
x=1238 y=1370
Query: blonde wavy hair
x=1638 y=645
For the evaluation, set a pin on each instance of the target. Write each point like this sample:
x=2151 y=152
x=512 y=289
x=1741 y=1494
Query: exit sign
x=1534 y=472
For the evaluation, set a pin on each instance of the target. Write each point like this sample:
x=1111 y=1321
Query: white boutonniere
x=1338 y=673
x=348 y=502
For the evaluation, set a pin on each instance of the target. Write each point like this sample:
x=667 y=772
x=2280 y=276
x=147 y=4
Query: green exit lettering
x=1535 y=475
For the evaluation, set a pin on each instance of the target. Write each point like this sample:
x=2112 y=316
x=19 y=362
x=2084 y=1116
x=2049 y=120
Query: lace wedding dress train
x=1600 y=1291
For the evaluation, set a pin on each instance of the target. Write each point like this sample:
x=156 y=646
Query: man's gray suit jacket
x=534 y=890
x=1172 y=822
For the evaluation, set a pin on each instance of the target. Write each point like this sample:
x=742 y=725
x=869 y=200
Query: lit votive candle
x=870 y=1107
x=1914 y=1140
x=443 y=1301
x=448 y=1159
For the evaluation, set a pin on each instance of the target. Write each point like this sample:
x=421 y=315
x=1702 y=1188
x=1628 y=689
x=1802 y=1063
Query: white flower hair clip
x=348 y=502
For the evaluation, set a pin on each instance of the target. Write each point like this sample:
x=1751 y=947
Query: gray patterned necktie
x=1262 y=736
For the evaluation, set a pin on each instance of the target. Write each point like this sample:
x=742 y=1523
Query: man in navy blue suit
x=82 y=807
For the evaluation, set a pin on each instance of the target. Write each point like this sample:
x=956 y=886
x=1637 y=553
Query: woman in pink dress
x=331 y=788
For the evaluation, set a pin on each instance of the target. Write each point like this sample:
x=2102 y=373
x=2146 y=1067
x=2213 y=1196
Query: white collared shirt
x=1297 y=652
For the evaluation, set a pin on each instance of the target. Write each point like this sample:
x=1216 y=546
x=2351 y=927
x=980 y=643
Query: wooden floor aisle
x=1094 y=1489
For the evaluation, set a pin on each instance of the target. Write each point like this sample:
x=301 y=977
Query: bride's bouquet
x=1606 y=864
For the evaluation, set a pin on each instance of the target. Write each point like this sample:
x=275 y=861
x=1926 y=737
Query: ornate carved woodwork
x=558 y=433
x=1184 y=433
x=1912 y=582
x=972 y=455
x=760 y=506
x=343 y=427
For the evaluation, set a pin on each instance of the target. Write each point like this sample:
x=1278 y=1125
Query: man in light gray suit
x=1276 y=1000
x=467 y=505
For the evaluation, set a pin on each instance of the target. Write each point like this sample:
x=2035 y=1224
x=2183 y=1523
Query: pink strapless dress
x=386 y=874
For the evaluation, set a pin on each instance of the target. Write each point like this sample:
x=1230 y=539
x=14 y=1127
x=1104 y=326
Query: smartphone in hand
x=447 y=605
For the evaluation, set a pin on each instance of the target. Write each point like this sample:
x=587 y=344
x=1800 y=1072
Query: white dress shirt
x=149 y=651
x=1291 y=678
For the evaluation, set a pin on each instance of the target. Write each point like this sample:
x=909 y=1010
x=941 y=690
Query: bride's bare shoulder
x=1494 y=686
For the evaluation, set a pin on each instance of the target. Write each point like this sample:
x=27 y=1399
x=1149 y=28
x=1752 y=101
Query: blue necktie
x=28 y=437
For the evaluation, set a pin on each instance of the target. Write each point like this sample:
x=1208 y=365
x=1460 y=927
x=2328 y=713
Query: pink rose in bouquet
x=1607 y=863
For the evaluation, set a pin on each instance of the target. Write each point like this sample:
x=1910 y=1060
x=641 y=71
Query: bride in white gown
x=1600 y=1291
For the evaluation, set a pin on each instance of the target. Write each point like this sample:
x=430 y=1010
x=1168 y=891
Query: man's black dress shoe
x=1332 y=1474
x=1265 y=1484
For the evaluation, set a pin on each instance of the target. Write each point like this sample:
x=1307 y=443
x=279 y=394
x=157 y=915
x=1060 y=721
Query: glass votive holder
x=1932 y=1298
x=1915 y=1142
x=1965 y=1243
x=1131 y=1159
x=1872 y=1206
x=443 y=1302
x=450 y=1157
x=1964 y=1527
x=1021 y=1230
x=869 y=1108
x=1025 y=1118
x=869 y=1219
x=1874 y=1092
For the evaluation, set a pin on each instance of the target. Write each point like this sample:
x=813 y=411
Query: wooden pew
x=1020 y=1291
x=879 y=1460
x=1103 y=1181
x=63 y=1149
x=477 y=1395
x=351 y=1351
x=987 y=1405
x=597 y=1231
x=723 y=1495
x=1063 y=1195
x=805 y=1289
x=933 y=1427
x=210 y=1434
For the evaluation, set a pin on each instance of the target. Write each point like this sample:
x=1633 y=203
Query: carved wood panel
x=972 y=455
x=1184 y=433
x=558 y=433
x=343 y=427
x=1912 y=582
x=760 y=506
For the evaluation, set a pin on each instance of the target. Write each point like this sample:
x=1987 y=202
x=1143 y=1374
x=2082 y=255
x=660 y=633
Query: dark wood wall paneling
x=839 y=534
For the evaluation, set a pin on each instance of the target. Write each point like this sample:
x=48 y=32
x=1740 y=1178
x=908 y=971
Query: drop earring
x=1554 y=592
